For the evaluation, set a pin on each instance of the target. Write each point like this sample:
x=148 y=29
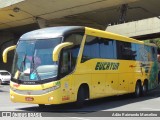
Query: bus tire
x=80 y=97
x=0 y=82
x=41 y=105
x=145 y=88
x=138 y=89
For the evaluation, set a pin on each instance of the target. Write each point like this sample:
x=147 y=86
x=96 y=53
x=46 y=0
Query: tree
x=156 y=41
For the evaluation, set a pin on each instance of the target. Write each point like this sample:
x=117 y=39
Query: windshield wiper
x=34 y=69
x=23 y=63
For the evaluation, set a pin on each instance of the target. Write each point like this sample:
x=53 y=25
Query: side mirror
x=5 y=52
x=58 y=48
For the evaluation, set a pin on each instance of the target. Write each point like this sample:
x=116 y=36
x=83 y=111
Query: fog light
x=12 y=97
x=50 y=98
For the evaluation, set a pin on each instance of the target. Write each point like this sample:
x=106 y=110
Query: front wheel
x=80 y=98
x=41 y=105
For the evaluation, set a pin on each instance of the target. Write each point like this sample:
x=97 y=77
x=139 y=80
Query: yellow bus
x=73 y=63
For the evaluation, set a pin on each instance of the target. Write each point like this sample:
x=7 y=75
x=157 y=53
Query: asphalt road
x=95 y=109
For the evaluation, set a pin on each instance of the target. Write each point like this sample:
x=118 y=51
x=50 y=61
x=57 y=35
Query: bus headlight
x=50 y=98
x=51 y=88
x=12 y=97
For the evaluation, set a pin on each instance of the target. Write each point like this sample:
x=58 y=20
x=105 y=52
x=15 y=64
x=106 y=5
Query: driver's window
x=65 y=63
x=69 y=54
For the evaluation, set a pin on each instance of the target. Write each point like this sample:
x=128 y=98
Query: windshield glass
x=33 y=60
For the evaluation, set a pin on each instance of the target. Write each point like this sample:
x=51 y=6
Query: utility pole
x=123 y=13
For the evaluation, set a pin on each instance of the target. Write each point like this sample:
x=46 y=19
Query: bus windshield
x=33 y=60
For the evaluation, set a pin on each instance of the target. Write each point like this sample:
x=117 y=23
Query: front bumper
x=48 y=98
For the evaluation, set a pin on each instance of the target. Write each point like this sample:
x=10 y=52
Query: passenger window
x=134 y=51
x=96 y=47
x=125 y=51
x=107 y=48
x=91 y=48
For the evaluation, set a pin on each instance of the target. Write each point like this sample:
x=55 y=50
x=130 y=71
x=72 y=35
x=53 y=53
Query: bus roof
x=51 y=32
x=110 y=35
x=114 y=36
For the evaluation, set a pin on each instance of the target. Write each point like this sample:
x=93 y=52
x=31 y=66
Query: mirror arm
x=5 y=52
x=58 y=48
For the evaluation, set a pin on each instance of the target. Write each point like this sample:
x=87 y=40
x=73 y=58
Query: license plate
x=29 y=98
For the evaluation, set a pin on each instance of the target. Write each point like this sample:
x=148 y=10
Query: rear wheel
x=138 y=89
x=0 y=82
x=144 y=88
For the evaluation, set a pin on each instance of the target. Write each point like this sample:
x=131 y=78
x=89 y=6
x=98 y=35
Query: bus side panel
x=152 y=67
x=67 y=89
x=104 y=80
x=126 y=76
x=124 y=80
x=112 y=84
x=153 y=76
x=98 y=84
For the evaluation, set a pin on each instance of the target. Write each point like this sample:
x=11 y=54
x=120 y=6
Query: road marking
x=151 y=109
x=78 y=118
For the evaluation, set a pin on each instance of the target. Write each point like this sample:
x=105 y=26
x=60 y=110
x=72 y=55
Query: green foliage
x=155 y=41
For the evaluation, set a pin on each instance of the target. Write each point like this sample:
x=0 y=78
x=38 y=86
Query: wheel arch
x=139 y=81
x=85 y=86
x=145 y=81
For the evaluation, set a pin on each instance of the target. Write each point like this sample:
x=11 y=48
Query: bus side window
x=67 y=64
x=91 y=49
x=64 y=63
x=126 y=51
x=69 y=55
x=134 y=52
x=153 y=52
